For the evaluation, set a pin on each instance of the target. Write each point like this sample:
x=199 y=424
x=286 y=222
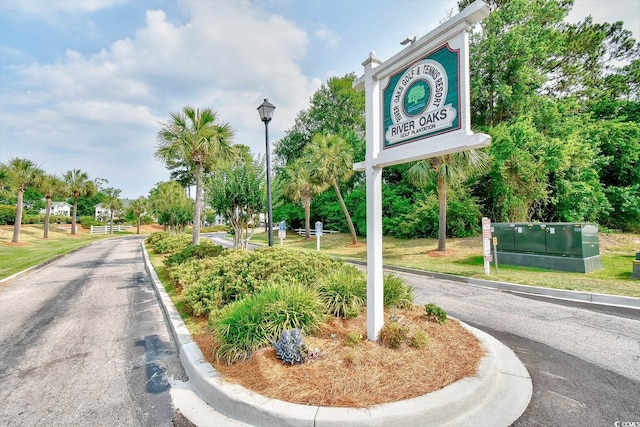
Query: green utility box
x=557 y=246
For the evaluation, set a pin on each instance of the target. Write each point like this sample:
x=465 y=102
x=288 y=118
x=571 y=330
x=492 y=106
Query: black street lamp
x=266 y=114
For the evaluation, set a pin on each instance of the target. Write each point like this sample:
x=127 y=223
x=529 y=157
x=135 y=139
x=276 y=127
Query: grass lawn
x=463 y=257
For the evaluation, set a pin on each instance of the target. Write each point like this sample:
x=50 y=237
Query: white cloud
x=329 y=37
x=42 y=8
x=104 y=108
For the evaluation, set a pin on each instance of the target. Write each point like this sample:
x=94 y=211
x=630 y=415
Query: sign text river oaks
x=422 y=100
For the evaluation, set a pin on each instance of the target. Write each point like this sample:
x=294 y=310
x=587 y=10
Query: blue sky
x=85 y=84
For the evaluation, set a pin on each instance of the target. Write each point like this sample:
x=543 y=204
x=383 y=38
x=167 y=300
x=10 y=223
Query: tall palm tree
x=299 y=187
x=21 y=174
x=78 y=185
x=50 y=186
x=195 y=137
x=444 y=170
x=331 y=158
x=113 y=203
x=139 y=207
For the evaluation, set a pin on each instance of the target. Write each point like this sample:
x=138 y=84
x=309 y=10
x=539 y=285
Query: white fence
x=312 y=231
x=105 y=229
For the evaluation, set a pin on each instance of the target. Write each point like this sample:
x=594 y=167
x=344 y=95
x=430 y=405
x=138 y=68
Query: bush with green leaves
x=88 y=221
x=344 y=292
x=252 y=322
x=239 y=274
x=393 y=333
x=419 y=339
x=206 y=249
x=7 y=215
x=166 y=243
x=354 y=339
x=290 y=348
x=435 y=313
x=397 y=294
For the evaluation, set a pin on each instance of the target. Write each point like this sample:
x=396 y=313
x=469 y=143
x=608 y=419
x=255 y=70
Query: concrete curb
x=564 y=294
x=497 y=395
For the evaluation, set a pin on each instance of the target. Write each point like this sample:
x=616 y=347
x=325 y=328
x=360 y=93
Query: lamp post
x=266 y=114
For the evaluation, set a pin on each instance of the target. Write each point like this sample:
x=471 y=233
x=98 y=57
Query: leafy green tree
x=78 y=185
x=299 y=187
x=20 y=174
x=445 y=170
x=171 y=206
x=194 y=137
x=51 y=186
x=112 y=202
x=331 y=160
x=236 y=191
x=137 y=208
x=336 y=108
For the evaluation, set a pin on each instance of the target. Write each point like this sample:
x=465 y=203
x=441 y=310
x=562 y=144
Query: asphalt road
x=584 y=359
x=84 y=342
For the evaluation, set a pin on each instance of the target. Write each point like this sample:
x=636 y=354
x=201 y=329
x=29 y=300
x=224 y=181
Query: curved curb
x=497 y=395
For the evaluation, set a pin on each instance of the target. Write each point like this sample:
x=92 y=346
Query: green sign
x=423 y=99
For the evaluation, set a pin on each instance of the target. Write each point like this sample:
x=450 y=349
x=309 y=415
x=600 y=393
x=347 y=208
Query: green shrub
x=393 y=334
x=419 y=339
x=435 y=313
x=88 y=221
x=7 y=215
x=251 y=323
x=172 y=243
x=397 y=294
x=239 y=274
x=354 y=339
x=344 y=292
x=206 y=249
x=153 y=238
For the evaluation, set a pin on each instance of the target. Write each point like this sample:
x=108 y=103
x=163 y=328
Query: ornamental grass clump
x=397 y=294
x=344 y=292
x=243 y=327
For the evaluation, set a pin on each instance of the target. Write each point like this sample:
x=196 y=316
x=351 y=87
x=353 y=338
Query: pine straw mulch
x=363 y=375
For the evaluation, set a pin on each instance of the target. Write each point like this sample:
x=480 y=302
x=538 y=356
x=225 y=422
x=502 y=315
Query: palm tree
x=331 y=158
x=113 y=203
x=50 y=186
x=445 y=169
x=195 y=138
x=299 y=187
x=78 y=185
x=21 y=174
x=139 y=207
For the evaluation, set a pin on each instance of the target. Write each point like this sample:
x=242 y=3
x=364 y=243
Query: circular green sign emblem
x=417 y=98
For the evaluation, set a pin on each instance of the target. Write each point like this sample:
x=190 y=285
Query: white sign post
x=282 y=232
x=318 y=234
x=416 y=107
x=486 y=244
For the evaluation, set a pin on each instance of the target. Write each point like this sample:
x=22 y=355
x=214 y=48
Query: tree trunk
x=138 y=225
x=442 y=225
x=111 y=221
x=196 y=216
x=47 y=216
x=18 y=221
x=354 y=239
x=307 y=218
x=73 y=217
